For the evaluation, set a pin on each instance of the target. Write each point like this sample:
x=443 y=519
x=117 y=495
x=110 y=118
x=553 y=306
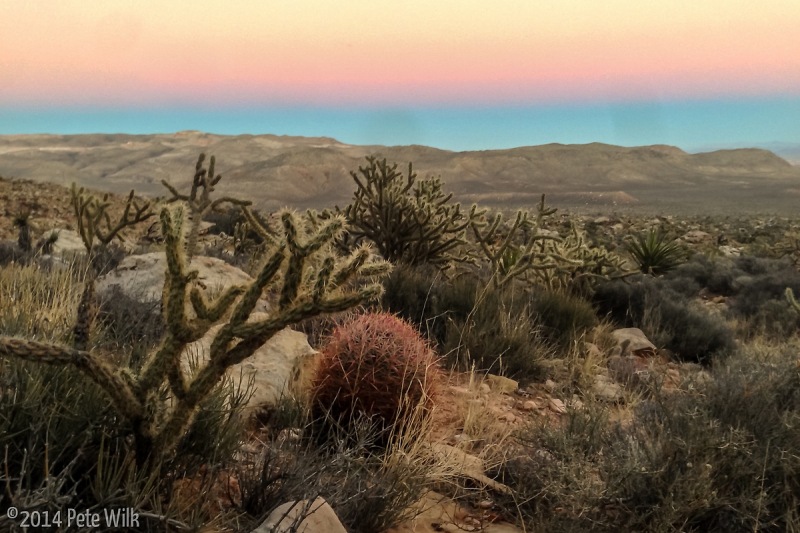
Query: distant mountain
x=275 y=171
x=788 y=151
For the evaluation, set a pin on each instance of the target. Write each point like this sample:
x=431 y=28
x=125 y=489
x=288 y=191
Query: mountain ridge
x=276 y=170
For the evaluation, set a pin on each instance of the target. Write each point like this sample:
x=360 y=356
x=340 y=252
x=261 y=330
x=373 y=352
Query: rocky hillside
x=302 y=171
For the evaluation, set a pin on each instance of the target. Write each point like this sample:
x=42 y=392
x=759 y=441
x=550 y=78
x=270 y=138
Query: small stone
x=502 y=384
x=508 y=417
x=485 y=504
x=557 y=406
x=550 y=385
x=530 y=405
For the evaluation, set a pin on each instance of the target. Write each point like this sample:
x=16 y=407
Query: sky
x=459 y=75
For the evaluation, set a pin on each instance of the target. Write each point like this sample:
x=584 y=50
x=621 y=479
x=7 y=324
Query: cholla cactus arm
x=199 y=198
x=94 y=221
x=132 y=215
x=262 y=230
x=95 y=368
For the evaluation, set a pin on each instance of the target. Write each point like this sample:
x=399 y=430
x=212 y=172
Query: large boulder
x=303 y=517
x=141 y=278
x=284 y=366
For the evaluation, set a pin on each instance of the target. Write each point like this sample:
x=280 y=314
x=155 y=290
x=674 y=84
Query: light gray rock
x=141 y=277
x=606 y=390
x=467 y=465
x=69 y=242
x=283 y=366
x=502 y=384
x=302 y=517
x=633 y=340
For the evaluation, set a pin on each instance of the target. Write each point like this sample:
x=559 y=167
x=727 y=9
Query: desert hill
x=275 y=171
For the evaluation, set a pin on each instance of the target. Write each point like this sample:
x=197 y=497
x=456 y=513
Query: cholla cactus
x=410 y=221
x=93 y=219
x=522 y=251
x=300 y=268
x=199 y=198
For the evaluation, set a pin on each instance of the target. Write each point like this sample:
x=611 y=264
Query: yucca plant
x=655 y=253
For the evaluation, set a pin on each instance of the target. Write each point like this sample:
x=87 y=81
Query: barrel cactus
x=377 y=368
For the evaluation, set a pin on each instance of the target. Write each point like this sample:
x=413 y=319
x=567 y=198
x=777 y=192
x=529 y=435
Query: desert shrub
x=471 y=324
x=129 y=323
x=554 y=474
x=666 y=317
x=720 y=458
x=758 y=288
x=11 y=253
x=717 y=275
x=497 y=336
x=563 y=318
x=377 y=369
x=424 y=297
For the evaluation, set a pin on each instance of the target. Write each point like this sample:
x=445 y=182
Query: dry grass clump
x=370 y=488
x=38 y=302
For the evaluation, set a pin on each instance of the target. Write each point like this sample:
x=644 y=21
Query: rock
x=141 y=277
x=696 y=237
x=529 y=405
x=550 y=385
x=484 y=388
x=633 y=340
x=468 y=465
x=69 y=242
x=730 y=251
x=508 y=417
x=592 y=351
x=284 y=365
x=557 y=406
x=302 y=517
x=602 y=220
x=501 y=384
x=606 y=390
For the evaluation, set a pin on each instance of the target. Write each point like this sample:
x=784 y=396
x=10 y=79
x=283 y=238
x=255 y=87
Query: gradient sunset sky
x=452 y=74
